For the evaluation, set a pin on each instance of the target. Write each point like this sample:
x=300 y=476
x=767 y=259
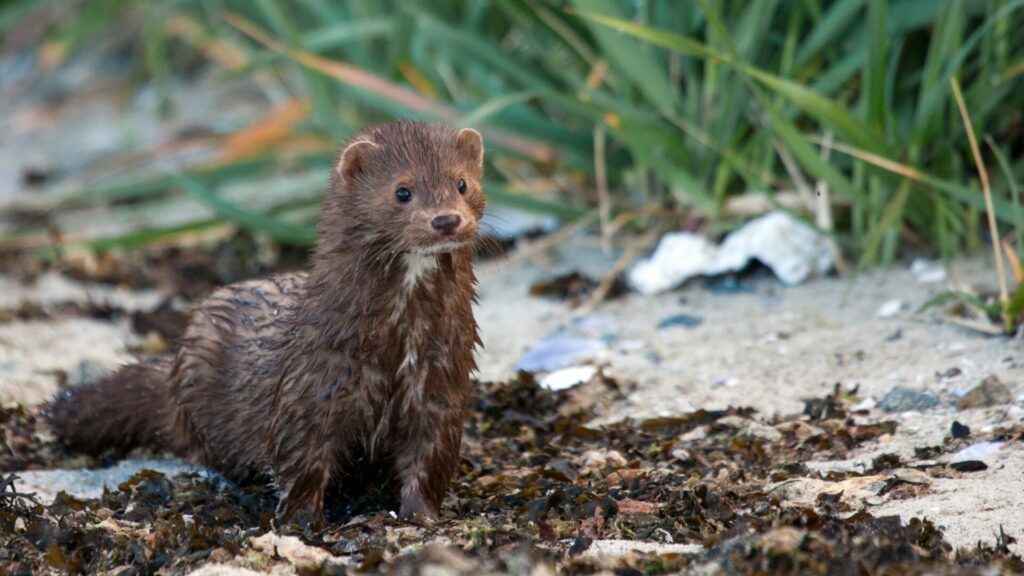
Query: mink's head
x=407 y=187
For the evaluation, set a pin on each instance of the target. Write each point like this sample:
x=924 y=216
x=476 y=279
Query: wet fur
x=364 y=361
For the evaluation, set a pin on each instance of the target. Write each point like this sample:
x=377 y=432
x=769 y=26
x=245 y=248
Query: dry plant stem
x=803 y=188
x=823 y=211
x=626 y=217
x=628 y=256
x=604 y=200
x=597 y=75
x=984 y=327
x=1004 y=297
x=1011 y=255
x=529 y=251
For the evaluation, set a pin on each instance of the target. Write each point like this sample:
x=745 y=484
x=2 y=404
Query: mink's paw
x=306 y=518
x=414 y=506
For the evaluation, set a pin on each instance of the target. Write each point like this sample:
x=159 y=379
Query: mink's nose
x=446 y=225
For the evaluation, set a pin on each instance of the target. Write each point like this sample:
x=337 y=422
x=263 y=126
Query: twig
x=1011 y=255
x=823 y=211
x=604 y=200
x=626 y=217
x=628 y=256
x=803 y=188
x=10 y=495
x=1004 y=297
x=547 y=242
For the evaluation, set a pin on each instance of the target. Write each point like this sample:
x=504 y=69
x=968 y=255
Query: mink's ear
x=472 y=145
x=354 y=159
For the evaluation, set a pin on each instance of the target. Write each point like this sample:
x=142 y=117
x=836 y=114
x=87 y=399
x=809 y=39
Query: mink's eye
x=403 y=195
x=461 y=186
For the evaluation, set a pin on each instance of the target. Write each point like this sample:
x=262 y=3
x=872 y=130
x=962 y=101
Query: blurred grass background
x=840 y=110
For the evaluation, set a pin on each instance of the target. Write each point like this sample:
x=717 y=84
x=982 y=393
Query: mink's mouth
x=440 y=247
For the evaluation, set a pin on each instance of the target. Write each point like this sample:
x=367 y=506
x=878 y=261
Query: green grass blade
x=628 y=57
x=323 y=39
x=830 y=113
x=874 y=71
x=829 y=30
x=1004 y=166
x=494 y=106
x=280 y=230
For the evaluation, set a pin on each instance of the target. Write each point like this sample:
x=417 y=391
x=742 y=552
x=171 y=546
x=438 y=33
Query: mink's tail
x=130 y=408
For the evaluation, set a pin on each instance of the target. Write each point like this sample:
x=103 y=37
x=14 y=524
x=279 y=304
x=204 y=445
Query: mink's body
x=308 y=378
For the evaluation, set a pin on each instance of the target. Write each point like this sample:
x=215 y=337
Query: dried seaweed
x=537 y=486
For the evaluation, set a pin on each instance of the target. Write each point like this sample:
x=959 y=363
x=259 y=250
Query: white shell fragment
x=890 y=308
x=559 y=352
x=791 y=249
x=927 y=272
x=568 y=377
x=977 y=451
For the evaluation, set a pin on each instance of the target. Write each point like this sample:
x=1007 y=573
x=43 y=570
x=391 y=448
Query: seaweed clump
x=539 y=489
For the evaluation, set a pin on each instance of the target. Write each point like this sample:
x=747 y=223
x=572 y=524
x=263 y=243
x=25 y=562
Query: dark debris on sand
x=538 y=489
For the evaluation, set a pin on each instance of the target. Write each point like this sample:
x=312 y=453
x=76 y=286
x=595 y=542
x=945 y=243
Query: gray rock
x=680 y=320
x=991 y=392
x=750 y=429
x=88 y=371
x=85 y=483
x=901 y=399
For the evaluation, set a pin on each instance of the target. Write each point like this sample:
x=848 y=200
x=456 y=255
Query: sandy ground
x=763 y=345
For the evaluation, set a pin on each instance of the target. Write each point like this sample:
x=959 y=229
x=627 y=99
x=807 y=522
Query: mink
x=306 y=379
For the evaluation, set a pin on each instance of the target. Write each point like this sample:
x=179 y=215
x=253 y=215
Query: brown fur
x=359 y=362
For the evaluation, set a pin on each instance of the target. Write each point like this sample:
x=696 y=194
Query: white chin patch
x=440 y=248
x=417 y=265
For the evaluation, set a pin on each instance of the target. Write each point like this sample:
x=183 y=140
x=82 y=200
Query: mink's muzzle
x=446 y=225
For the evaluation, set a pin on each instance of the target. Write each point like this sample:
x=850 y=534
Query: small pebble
x=969 y=466
x=595 y=323
x=890 y=308
x=559 y=352
x=991 y=392
x=727 y=285
x=568 y=377
x=901 y=399
x=927 y=272
x=681 y=321
x=959 y=430
x=87 y=371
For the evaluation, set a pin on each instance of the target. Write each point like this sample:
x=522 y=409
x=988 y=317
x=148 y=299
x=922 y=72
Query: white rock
x=218 y=569
x=89 y=483
x=865 y=404
x=927 y=272
x=611 y=549
x=792 y=250
x=890 y=308
x=295 y=551
x=568 y=377
x=678 y=257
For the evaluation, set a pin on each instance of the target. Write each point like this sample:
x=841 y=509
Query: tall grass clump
x=837 y=109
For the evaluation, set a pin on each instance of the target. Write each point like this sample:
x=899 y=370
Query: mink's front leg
x=302 y=495
x=305 y=444
x=427 y=461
